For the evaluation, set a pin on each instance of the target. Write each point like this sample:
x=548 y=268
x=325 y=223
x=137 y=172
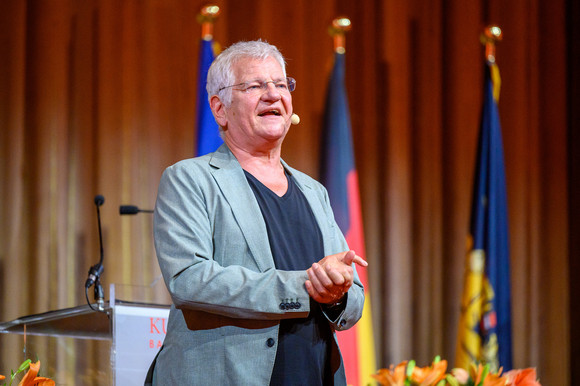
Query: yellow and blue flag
x=484 y=334
x=339 y=175
x=208 y=137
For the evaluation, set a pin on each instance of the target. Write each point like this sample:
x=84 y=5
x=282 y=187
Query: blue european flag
x=208 y=138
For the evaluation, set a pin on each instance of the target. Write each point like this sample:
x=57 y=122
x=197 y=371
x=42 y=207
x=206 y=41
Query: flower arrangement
x=408 y=374
x=30 y=378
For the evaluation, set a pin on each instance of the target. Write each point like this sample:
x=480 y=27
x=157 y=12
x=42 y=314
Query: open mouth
x=273 y=112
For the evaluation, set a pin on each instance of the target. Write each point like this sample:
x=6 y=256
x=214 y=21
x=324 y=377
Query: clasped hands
x=330 y=278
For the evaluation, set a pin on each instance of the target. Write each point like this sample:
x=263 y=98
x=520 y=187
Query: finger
x=310 y=289
x=346 y=287
x=322 y=275
x=348 y=257
x=360 y=261
x=337 y=278
x=312 y=292
x=348 y=275
x=340 y=274
x=320 y=288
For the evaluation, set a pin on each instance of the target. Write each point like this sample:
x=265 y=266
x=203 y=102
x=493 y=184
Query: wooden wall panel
x=99 y=96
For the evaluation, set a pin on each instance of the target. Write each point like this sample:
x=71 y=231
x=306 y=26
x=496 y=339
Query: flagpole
x=337 y=29
x=490 y=36
x=208 y=137
x=206 y=17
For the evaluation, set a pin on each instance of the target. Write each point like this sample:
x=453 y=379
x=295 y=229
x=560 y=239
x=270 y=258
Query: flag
x=208 y=137
x=484 y=333
x=339 y=175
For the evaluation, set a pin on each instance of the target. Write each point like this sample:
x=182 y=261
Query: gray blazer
x=213 y=250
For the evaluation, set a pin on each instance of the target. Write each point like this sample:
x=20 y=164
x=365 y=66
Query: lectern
x=135 y=329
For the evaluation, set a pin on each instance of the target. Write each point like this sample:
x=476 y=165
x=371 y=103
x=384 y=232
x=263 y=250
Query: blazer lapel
x=231 y=179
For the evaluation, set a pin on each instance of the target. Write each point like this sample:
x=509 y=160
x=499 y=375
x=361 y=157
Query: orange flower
x=523 y=377
x=495 y=380
x=476 y=373
x=30 y=379
x=2 y=377
x=425 y=376
x=392 y=377
x=489 y=379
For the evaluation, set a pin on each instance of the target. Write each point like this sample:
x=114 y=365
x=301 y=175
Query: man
x=259 y=273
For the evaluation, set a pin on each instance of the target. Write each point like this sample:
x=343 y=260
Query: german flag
x=339 y=175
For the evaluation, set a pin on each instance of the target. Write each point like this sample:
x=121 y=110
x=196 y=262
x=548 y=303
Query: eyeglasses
x=286 y=85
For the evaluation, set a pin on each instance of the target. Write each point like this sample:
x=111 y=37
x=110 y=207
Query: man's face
x=260 y=118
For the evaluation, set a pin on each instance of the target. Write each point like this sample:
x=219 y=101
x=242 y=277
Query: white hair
x=221 y=74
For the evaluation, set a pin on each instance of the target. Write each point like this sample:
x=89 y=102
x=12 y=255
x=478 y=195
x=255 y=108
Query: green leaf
x=410 y=368
x=484 y=374
x=24 y=366
x=437 y=359
x=451 y=380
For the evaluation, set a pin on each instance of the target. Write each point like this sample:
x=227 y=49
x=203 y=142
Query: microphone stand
x=96 y=270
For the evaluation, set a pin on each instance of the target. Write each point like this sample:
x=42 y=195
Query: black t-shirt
x=304 y=344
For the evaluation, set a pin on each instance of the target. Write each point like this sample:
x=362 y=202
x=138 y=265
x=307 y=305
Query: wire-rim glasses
x=285 y=85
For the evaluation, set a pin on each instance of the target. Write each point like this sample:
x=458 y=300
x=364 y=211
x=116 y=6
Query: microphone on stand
x=132 y=210
x=96 y=270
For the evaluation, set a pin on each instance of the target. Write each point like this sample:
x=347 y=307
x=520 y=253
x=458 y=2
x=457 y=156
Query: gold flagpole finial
x=337 y=29
x=206 y=17
x=490 y=36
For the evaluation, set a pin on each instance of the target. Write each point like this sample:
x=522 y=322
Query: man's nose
x=271 y=91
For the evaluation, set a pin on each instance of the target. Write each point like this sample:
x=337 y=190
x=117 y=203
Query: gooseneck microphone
x=96 y=270
x=132 y=210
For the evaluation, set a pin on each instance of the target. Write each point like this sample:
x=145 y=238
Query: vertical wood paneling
x=552 y=101
x=98 y=97
x=462 y=96
x=573 y=100
x=398 y=187
x=12 y=96
x=426 y=123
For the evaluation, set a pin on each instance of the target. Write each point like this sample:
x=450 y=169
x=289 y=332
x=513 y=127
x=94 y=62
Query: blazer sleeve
x=191 y=218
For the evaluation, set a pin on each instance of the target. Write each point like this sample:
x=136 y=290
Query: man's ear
x=219 y=111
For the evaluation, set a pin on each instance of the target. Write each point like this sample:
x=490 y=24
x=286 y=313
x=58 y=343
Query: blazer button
x=270 y=342
x=342 y=323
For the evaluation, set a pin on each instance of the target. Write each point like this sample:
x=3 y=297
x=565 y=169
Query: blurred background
x=99 y=97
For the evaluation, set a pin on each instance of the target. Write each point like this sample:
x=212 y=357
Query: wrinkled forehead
x=251 y=68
